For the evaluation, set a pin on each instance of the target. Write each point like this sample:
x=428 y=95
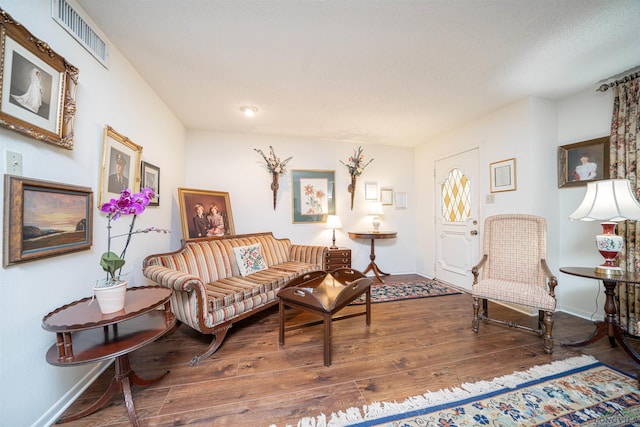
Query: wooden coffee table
x=85 y=335
x=325 y=294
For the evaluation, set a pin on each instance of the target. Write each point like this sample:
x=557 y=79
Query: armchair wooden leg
x=548 y=330
x=476 y=321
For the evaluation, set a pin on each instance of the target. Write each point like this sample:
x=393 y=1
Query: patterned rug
x=395 y=291
x=579 y=391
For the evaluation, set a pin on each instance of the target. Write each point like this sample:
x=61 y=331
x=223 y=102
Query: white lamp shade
x=375 y=208
x=608 y=200
x=333 y=221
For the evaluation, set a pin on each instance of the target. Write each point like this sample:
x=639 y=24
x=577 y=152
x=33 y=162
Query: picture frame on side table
x=503 y=175
x=313 y=195
x=120 y=165
x=44 y=219
x=386 y=196
x=582 y=162
x=150 y=178
x=208 y=223
x=38 y=86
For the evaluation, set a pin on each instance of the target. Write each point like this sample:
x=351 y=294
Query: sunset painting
x=53 y=219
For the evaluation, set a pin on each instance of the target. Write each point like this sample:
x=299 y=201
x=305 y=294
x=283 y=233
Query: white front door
x=457 y=224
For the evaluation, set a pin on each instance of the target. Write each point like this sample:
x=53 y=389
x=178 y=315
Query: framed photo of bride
x=37 y=86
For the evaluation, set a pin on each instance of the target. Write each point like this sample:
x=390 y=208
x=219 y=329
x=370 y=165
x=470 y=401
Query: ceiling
x=365 y=71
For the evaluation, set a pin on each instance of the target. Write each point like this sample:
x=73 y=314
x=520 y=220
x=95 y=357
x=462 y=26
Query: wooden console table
x=373 y=236
x=85 y=335
x=609 y=326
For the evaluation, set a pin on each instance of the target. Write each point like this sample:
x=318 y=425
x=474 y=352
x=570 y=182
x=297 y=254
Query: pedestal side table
x=609 y=326
x=85 y=335
x=373 y=235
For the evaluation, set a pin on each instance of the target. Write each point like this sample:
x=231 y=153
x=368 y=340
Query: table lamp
x=375 y=209
x=610 y=201
x=333 y=221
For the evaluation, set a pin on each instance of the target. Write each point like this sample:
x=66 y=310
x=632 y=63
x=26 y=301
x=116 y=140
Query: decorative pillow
x=249 y=259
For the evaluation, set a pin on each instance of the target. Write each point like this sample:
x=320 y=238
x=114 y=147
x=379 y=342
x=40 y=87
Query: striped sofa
x=210 y=294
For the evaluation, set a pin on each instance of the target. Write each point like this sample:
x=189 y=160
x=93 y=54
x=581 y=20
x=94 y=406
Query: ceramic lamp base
x=609 y=245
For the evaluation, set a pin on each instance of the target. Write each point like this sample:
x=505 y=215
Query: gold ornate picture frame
x=207 y=223
x=37 y=86
x=44 y=219
x=120 y=165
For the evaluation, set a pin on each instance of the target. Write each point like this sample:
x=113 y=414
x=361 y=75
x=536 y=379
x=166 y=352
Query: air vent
x=75 y=22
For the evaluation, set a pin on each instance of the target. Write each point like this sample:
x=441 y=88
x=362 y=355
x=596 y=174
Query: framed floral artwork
x=313 y=195
x=38 y=86
x=205 y=214
x=44 y=219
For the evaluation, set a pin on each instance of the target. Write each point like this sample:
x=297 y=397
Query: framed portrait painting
x=44 y=219
x=205 y=214
x=150 y=178
x=313 y=194
x=583 y=162
x=38 y=86
x=120 y=166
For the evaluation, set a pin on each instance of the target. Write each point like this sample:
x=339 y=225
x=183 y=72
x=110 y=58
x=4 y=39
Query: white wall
x=227 y=162
x=513 y=131
x=118 y=97
x=584 y=116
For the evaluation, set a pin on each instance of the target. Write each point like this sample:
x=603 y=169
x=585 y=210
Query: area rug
x=579 y=391
x=395 y=291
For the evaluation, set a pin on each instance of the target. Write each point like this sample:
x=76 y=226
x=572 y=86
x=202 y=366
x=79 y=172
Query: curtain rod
x=605 y=87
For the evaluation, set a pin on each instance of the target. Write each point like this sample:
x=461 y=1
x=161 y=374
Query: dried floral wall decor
x=276 y=167
x=355 y=164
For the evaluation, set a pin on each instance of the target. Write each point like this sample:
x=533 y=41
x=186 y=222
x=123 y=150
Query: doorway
x=457 y=194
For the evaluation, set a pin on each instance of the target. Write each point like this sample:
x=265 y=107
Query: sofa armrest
x=308 y=253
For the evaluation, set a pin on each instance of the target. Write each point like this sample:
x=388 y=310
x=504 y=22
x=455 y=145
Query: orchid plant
x=127 y=204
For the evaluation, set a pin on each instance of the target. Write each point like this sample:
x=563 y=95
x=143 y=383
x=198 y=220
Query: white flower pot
x=111 y=298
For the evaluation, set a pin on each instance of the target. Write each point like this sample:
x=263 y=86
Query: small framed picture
x=401 y=200
x=371 y=191
x=503 y=175
x=386 y=196
x=38 y=86
x=205 y=213
x=150 y=178
x=582 y=162
x=120 y=165
x=44 y=219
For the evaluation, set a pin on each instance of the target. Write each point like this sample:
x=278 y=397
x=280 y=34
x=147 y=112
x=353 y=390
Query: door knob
x=474 y=232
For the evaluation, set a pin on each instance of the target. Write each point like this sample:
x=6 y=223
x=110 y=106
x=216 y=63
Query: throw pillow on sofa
x=249 y=259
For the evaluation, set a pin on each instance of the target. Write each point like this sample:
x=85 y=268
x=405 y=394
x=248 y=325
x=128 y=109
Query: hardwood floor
x=411 y=347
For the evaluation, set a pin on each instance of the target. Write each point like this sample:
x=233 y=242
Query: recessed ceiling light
x=249 y=110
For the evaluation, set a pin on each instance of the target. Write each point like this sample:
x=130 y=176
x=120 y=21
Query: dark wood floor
x=411 y=347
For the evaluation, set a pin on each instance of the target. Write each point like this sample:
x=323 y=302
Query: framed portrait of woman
x=38 y=86
x=582 y=162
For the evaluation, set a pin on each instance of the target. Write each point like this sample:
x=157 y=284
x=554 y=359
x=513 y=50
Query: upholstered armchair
x=514 y=271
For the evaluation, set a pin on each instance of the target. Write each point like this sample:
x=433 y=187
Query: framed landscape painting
x=38 y=86
x=44 y=219
x=313 y=194
x=205 y=213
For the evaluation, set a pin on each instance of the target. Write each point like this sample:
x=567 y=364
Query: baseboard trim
x=55 y=412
